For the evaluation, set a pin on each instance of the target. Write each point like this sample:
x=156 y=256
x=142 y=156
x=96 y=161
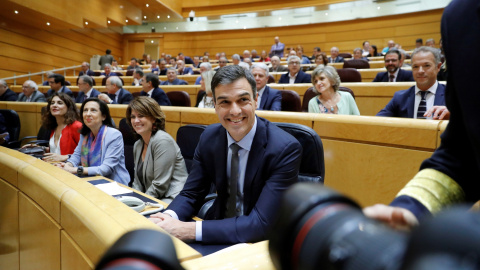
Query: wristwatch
x=79 y=170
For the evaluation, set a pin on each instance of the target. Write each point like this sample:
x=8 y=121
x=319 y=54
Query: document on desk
x=113 y=189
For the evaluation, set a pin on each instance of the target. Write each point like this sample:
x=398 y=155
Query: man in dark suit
x=31 y=93
x=162 y=66
x=116 y=94
x=57 y=84
x=86 y=90
x=426 y=93
x=295 y=73
x=334 y=58
x=108 y=71
x=86 y=70
x=394 y=73
x=269 y=99
x=185 y=59
x=276 y=66
x=182 y=69
x=6 y=94
x=150 y=84
x=250 y=161
x=449 y=175
x=172 y=78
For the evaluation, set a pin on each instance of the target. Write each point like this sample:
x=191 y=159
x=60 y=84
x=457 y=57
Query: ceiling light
x=16 y=11
x=236 y=21
x=121 y=6
x=326 y=13
x=279 y=18
x=146 y=5
x=378 y=7
x=144 y=17
x=108 y=21
x=177 y=27
x=86 y=23
x=158 y=16
x=48 y=23
x=126 y=20
x=168 y=16
x=152 y=41
x=244 y=27
x=165 y=28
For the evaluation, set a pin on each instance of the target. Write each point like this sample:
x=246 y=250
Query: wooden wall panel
x=347 y=35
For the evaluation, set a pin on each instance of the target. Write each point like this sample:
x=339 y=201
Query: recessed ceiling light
x=378 y=7
x=48 y=23
x=144 y=17
x=165 y=28
x=158 y=16
x=16 y=11
x=126 y=20
x=326 y=13
x=146 y=5
x=152 y=41
x=168 y=16
x=108 y=21
x=177 y=27
x=121 y=6
x=244 y=27
x=86 y=23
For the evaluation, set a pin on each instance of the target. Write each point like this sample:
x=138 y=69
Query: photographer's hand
x=395 y=217
x=184 y=231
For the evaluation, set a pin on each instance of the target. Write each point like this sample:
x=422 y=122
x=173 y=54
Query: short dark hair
x=139 y=72
x=229 y=74
x=58 y=78
x=108 y=51
x=317 y=49
x=151 y=77
x=419 y=40
x=49 y=122
x=394 y=51
x=103 y=109
x=133 y=58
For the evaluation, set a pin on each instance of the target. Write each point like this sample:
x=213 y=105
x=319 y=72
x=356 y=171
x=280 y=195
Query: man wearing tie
x=86 y=90
x=31 y=93
x=427 y=97
x=277 y=48
x=250 y=161
x=116 y=94
x=393 y=61
x=150 y=83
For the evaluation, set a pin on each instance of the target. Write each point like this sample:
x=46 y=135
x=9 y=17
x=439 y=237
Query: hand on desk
x=52 y=157
x=184 y=231
x=395 y=217
x=438 y=113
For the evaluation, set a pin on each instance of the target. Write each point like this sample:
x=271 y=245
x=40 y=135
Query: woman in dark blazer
x=160 y=170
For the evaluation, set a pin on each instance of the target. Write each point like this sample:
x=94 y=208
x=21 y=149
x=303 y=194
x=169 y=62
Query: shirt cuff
x=171 y=213
x=198 y=231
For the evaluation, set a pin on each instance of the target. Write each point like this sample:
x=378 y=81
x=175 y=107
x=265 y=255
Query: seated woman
x=373 y=51
x=321 y=59
x=160 y=170
x=326 y=83
x=61 y=122
x=100 y=151
x=205 y=100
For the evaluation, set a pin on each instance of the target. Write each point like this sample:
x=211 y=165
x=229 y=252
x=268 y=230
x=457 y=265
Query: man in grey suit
x=105 y=59
x=31 y=93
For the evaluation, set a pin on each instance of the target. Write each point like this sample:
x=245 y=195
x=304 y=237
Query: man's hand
x=184 y=231
x=104 y=97
x=395 y=217
x=438 y=113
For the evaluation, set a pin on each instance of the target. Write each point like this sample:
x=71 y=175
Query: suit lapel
x=411 y=102
x=148 y=158
x=255 y=158
x=264 y=98
x=439 y=95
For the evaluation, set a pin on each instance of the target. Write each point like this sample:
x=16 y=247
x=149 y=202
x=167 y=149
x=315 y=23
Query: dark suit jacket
x=271 y=100
x=458 y=155
x=64 y=89
x=163 y=72
x=403 y=76
x=187 y=71
x=175 y=82
x=9 y=95
x=279 y=69
x=89 y=73
x=124 y=97
x=159 y=95
x=339 y=59
x=272 y=166
x=37 y=96
x=80 y=95
x=403 y=102
x=302 y=77
x=188 y=60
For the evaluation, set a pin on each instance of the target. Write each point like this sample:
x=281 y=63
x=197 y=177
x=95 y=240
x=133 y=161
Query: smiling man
x=427 y=97
x=250 y=161
x=394 y=73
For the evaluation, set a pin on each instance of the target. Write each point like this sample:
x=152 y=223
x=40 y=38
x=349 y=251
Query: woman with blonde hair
x=326 y=83
x=160 y=170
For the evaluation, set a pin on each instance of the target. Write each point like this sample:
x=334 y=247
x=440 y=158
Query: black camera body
x=318 y=228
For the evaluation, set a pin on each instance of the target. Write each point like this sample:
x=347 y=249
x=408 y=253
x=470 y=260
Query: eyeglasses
x=294 y=63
